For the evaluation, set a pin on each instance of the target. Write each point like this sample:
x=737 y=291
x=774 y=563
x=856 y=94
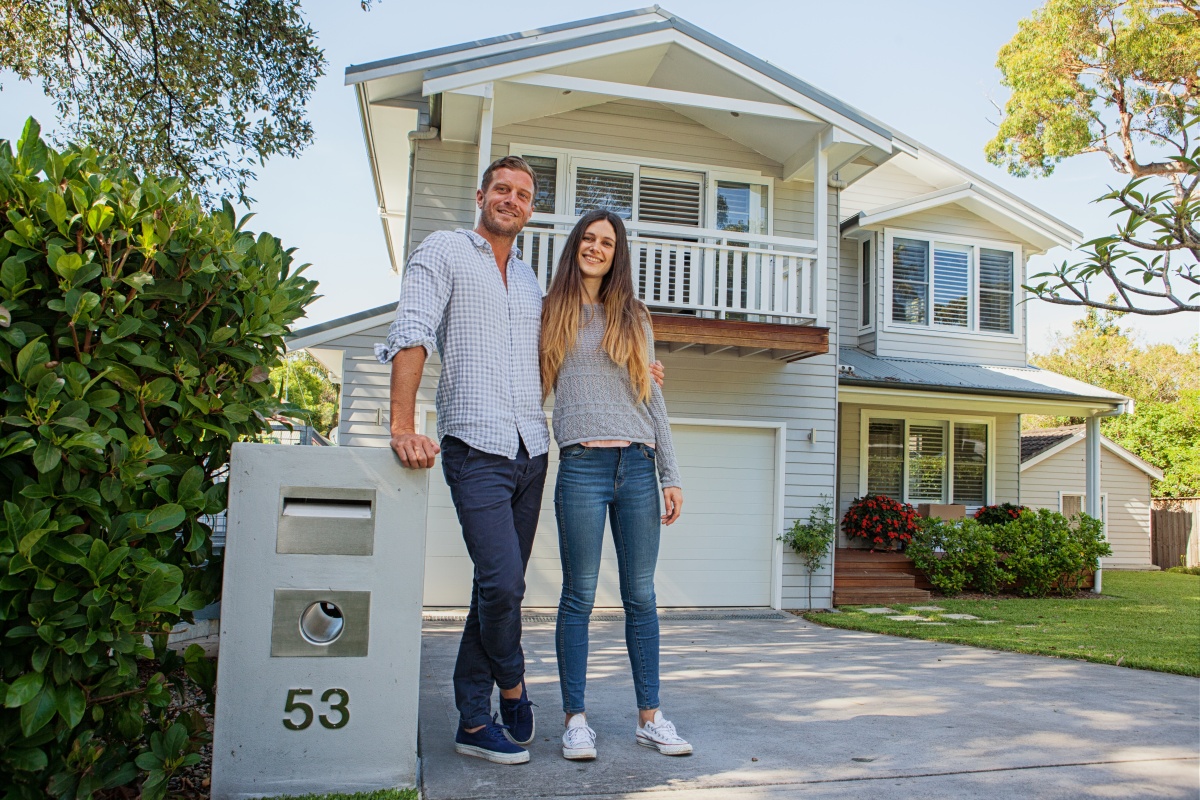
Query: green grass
x=1144 y=620
x=382 y=794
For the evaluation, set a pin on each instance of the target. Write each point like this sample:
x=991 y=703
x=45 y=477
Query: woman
x=610 y=422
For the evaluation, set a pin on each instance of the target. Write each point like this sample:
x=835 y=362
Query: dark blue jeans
x=622 y=484
x=497 y=500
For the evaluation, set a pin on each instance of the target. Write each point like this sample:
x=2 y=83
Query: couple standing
x=468 y=294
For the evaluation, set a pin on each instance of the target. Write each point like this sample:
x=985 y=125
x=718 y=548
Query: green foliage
x=1163 y=381
x=1104 y=76
x=1035 y=554
x=206 y=91
x=305 y=383
x=810 y=540
x=137 y=331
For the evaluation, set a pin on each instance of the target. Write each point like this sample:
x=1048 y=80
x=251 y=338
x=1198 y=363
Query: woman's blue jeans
x=620 y=482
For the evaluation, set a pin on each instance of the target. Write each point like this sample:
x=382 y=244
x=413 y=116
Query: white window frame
x=872 y=284
x=973 y=331
x=1083 y=505
x=868 y=414
x=564 y=196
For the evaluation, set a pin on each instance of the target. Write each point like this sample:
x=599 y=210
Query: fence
x=1175 y=531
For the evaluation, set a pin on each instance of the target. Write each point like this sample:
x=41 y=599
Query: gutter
x=930 y=387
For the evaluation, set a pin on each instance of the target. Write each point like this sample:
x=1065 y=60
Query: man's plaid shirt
x=452 y=299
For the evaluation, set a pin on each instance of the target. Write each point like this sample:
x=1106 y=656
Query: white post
x=1092 y=482
x=821 y=226
x=485 y=137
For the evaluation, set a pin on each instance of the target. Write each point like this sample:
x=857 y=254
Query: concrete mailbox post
x=317 y=679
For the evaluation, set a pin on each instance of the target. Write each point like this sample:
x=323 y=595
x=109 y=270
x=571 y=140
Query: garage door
x=717 y=554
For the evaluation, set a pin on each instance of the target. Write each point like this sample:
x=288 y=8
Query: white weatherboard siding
x=1127 y=488
x=1006 y=479
x=718 y=553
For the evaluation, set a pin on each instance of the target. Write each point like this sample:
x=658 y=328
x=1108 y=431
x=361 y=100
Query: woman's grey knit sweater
x=594 y=399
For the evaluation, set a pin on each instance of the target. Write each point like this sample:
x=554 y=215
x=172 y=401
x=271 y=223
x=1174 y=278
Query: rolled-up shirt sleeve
x=424 y=295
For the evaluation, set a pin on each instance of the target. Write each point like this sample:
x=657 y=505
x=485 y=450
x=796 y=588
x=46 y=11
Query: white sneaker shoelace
x=579 y=738
x=660 y=733
x=663 y=732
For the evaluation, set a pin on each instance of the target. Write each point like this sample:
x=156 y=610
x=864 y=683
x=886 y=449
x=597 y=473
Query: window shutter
x=546 y=169
x=926 y=462
x=951 y=282
x=865 y=296
x=669 y=200
x=910 y=281
x=603 y=188
x=970 y=463
x=996 y=290
x=885 y=458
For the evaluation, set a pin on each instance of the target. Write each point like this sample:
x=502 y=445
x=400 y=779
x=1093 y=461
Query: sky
x=924 y=67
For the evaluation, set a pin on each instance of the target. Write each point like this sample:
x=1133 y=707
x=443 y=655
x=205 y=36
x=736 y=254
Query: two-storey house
x=838 y=307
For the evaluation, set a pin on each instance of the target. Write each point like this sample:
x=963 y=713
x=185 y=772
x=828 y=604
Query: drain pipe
x=1092 y=486
x=423 y=135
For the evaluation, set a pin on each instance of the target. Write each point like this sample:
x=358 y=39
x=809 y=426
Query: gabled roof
x=1040 y=444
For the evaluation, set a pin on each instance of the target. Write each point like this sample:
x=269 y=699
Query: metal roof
x=1039 y=440
x=858 y=368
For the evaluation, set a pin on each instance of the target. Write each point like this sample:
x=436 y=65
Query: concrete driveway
x=779 y=708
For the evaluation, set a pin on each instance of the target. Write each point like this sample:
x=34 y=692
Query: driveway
x=780 y=708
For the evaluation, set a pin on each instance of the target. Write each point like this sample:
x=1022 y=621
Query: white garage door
x=717 y=554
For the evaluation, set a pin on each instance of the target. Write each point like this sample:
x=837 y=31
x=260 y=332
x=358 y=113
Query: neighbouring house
x=838 y=307
x=1052 y=476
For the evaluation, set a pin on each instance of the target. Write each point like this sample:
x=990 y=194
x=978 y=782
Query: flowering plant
x=999 y=514
x=880 y=520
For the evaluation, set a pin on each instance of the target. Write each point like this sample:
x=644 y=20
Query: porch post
x=485 y=138
x=821 y=226
x=1091 y=443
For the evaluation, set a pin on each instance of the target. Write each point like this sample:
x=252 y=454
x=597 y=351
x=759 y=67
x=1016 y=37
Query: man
x=468 y=294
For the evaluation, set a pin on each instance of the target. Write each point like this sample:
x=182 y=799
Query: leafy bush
x=880 y=520
x=999 y=514
x=957 y=554
x=1036 y=553
x=137 y=331
x=810 y=540
x=1044 y=551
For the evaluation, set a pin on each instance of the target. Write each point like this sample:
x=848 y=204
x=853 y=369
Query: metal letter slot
x=322 y=623
x=323 y=521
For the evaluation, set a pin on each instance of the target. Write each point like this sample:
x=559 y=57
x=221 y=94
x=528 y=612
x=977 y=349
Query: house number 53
x=338 y=716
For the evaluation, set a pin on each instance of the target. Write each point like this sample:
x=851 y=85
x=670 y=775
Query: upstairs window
x=866 y=287
x=951 y=285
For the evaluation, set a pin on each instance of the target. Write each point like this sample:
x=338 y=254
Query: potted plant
x=810 y=540
x=999 y=514
x=882 y=522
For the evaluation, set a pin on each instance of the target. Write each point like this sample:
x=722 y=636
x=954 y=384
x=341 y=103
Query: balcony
x=712 y=289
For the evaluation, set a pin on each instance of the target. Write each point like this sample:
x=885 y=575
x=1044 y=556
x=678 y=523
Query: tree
x=1120 y=78
x=303 y=382
x=137 y=332
x=205 y=90
x=1164 y=382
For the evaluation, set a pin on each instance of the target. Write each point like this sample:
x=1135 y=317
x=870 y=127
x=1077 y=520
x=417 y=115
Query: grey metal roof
x=858 y=368
x=1039 y=440
x=350 y=319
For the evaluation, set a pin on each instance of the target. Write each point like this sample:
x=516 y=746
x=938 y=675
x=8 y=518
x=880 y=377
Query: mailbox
x=317 y=678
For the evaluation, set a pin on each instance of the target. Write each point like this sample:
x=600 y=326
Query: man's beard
x=497 y=225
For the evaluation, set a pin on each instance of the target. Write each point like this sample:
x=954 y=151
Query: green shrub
x=1043 y=551
x=999 y=514
x=810 y=540
x=137 y=331
x=957 y=554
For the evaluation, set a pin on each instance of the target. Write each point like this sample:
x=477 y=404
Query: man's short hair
x=508 y=162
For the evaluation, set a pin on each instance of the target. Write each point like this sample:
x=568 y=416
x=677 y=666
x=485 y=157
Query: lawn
x=383 y=794
x=1144 y=620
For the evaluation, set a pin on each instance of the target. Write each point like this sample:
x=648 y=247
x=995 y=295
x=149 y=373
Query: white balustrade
x=718 y=274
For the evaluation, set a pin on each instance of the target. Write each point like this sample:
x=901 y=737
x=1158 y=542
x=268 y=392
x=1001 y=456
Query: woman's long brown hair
x=625 y=315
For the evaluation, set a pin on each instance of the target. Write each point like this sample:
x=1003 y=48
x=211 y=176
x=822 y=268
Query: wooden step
x=895 y=580
x=860 y=596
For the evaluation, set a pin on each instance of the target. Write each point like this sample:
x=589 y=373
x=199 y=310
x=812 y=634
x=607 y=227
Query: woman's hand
x=672 y=504
x=657 y=373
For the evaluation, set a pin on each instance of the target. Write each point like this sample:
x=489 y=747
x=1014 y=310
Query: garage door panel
x=717 y=554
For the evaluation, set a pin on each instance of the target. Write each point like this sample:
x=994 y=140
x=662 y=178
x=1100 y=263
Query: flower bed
x=881 y=522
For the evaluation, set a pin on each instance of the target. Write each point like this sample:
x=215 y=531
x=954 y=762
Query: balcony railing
x=709 y=273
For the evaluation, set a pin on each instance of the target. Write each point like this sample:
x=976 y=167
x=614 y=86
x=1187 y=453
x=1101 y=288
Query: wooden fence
x=1175 y=531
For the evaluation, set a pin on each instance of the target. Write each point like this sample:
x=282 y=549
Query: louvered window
x=673 y=198
x=996 y=290
x=604 y=188
x=885 y=457
x=546 y=169
x=866 y=297
x=970 y=463
x=951 y=284
x=926 y=462
x=910 y=281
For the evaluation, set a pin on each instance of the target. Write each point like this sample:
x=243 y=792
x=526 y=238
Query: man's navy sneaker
x=518 y=718
x=489 y=742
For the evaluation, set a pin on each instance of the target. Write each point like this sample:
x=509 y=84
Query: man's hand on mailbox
x=415 y=451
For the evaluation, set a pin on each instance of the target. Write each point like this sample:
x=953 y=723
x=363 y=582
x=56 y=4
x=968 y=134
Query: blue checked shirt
x=452 y=299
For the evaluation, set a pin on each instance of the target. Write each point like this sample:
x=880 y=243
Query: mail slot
x=321 y=520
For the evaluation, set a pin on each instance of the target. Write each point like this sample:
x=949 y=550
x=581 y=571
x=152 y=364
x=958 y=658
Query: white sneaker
x=579 y=741
x=660 y=734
